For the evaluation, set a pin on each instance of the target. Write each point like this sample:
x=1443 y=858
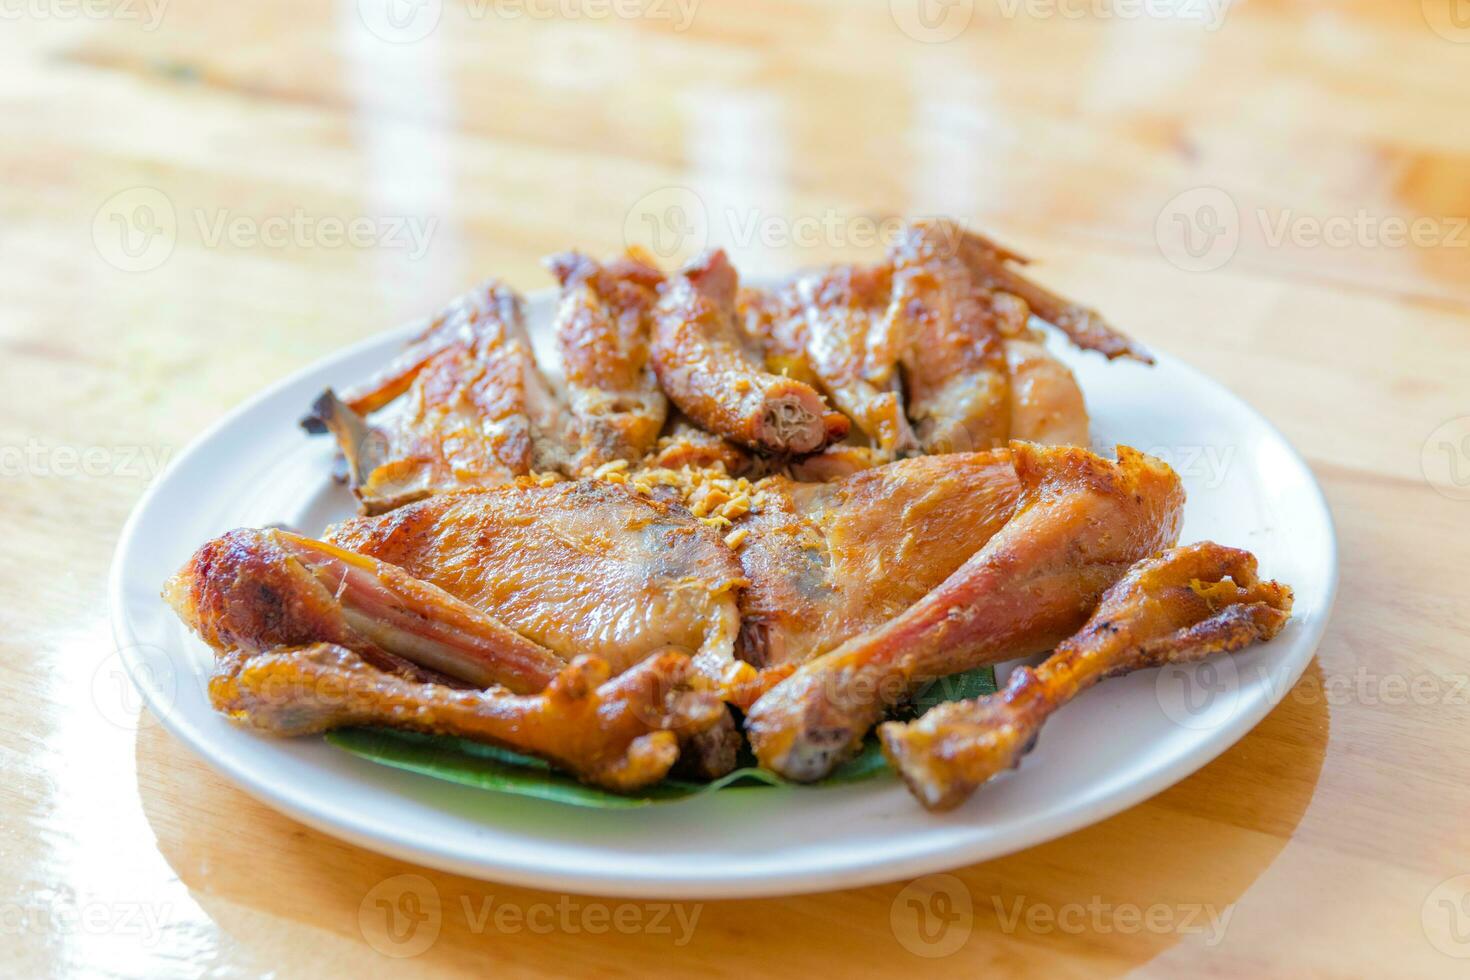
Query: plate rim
x=847 y=872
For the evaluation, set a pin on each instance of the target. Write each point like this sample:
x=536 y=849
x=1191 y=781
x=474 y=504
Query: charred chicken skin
x=1176 y=607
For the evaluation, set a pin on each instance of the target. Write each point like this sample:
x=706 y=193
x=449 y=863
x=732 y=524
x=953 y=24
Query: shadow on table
x=1114 y=895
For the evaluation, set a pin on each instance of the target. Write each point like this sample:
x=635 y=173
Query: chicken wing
x=603 y=325
x=476 y=409
x=586 y=567
x=621 y=734
x=992 y=267
x=258 y=590
x=832 y=313
x=704 y=366
x=946 y=333
x=1081 y=522
x=1176 y=607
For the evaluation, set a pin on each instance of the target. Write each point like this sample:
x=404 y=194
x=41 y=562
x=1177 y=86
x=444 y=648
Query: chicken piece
x=621 y=734
x=838 y=309
x=991 y=266
x=1046 y=402
x=1082 y=521
x=258 y=590
x=1176 y=607
x=829 y=561
x=477 y=410
x=586 y=567
x=689 y=445
x=603 y=326
x=706 y=368
x=946 y=333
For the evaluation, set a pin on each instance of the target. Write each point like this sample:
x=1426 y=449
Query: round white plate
x=1116 y=745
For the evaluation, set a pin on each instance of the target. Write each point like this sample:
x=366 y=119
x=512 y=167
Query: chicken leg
x=1081 y=523
x=621 y=734
x=1176 y=607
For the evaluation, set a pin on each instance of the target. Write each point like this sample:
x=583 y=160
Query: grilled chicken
x=476 y=410
x=587 y=567
x=1180 y=606
x=1081 y=522
x=749 y=545
x=310 y=637
x=704 y=365
x=603 y=325
x=259 y=590
x=621 y=734
x=828 y=561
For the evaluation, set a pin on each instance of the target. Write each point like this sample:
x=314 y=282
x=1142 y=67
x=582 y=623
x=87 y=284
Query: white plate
x=1117 y=745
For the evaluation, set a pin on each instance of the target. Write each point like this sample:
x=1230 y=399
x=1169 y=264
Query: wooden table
x=199 y=198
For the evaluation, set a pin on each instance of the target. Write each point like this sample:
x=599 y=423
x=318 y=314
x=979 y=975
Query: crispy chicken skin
x=585 y=567
x=603 y=326
x=1176 y=607
x=993 y=268
x=703 y=363
x=828 y=561
x=831 y=313
x=1081 y=522
x=1046 y=403
x=258 y=590
x=476 y=410
x=621 y=734
x=946 y=333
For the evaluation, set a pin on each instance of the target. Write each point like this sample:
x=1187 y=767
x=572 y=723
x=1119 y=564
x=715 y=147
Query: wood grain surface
x=199 y=198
